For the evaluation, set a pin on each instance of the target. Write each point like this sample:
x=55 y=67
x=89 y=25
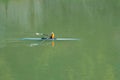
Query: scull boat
x=56 y=39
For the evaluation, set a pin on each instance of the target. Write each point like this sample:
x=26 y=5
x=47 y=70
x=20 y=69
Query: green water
x=94 y=57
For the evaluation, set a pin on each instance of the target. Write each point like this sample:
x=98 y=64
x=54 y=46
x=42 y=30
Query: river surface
x=95 y=56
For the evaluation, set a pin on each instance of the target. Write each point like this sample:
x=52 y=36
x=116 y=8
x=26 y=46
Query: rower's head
x=52 y=32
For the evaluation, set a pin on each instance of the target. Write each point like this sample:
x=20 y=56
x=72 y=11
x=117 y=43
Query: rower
x=52 y=36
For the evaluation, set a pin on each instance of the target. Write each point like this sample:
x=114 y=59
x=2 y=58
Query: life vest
x=52 y=35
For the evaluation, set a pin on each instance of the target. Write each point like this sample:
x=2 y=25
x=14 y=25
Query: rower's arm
x=45 y=34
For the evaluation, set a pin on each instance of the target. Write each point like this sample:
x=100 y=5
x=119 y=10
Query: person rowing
x=51 y=36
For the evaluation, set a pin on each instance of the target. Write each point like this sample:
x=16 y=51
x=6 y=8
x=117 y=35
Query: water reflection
x=25 y=16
